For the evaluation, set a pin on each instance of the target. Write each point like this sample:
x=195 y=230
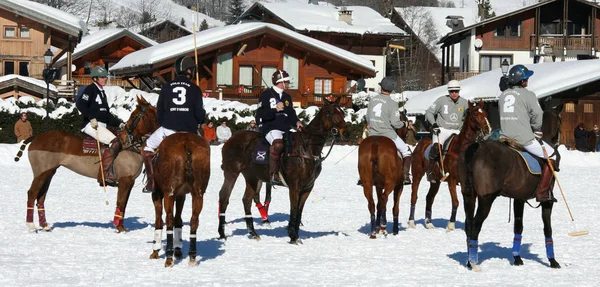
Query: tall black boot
x=274 y=154
x=147 y=157
x=543 y=192
x=434 y=156
x=406 y=169
x=108 y=157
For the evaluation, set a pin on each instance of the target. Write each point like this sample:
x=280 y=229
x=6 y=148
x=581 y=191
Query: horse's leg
x=124 y=191
x=157 y=199
x=294 y=203
x=433 y=190
x=267 y=200
x=418 y=168
x=518 y=206
x=368 y=191
x=389 y=187
x=178 y=224
x=452 y=182
x=169 y=202
x=546 y=218
x=396 y=208
x=483 y=210
x=301 y=201
x=197 y=204
x=37 y=192
x=262 y=209
x=224 y=194
x=251 y=184
x=469 y=206
x=380 y=210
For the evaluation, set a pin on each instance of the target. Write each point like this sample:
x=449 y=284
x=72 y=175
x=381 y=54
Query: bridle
x=131 y=140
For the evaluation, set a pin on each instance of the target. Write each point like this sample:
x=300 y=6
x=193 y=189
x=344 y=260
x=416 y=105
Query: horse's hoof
x=518 y=261
x=553 y=263
x=266 y=223
x=373 y=236
x=169 y=263
x=475 y=268
x=450 y=226
x=120 y=229
x=411 y=224
x=255 y=237
x=222 y=237
x=178 y=254
x=296 y=242
x=429 y=225
x=193 y=262
x=154 y=255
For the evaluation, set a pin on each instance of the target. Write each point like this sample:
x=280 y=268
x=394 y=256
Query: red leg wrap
x=42 y=215
x=118 y=219
x=30 y=209
x=267 y=206
x=263 y=211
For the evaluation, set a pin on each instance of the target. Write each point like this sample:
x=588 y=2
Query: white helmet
x=453 y=85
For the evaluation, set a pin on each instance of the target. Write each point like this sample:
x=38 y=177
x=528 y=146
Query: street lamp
x=504 y=79
x=49 y=75
x=504 y=67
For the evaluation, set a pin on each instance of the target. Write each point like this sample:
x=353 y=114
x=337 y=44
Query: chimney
x=455 y=22
x=345 y=15
x=314 y=2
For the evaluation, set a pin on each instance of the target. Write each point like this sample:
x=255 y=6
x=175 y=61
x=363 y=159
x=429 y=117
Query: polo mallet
x=444 y=174
x=101 y=167
x=346 y=155
x=574 y=233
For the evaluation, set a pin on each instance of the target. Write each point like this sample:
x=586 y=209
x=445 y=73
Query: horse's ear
x=481 y=103
x=141 y=100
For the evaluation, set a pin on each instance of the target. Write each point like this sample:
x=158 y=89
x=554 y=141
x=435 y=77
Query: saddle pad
x=261 y=152
x=532 y=162
x=494 y=136
x=427 y=151
x=90 y=145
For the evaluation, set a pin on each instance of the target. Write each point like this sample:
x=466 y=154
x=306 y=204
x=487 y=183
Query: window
x=489 y=62
x=588 y=108
x=24 y=32
x=511 y=29
x=246 y=76
x=10 y=32
x=24 y=69
x=290 y=65
x=225 y=69
x=9 y=67
x=267 y=73
x=570 y=107
x=323 y=86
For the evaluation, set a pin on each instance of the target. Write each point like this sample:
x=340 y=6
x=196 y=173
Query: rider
x=383 y=118
x=521 y=120
x=179 y=109
x=446 y=117
x=275 y=115
x=96 y=116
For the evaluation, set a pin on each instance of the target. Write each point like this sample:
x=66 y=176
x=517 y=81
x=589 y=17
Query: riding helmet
x=182 y=64
x=280 y=76
x=99 y=72
x=453 y=85
x=388 y=84
x=518 y=73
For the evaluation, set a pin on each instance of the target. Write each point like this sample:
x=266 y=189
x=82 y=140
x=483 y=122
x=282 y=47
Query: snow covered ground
x=83 y=248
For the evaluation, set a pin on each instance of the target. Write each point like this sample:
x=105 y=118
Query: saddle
x=445 y=147
x=261 y=152
x=533 y=163
x=90 y=145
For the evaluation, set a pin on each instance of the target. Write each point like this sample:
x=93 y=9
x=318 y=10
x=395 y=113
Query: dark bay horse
x=475 y=127
x=300 y=167
x=379 y=165
x=182 y=167
x=51 y=150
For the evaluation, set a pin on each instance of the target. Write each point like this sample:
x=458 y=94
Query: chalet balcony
x=459 y=76
x=573 y=42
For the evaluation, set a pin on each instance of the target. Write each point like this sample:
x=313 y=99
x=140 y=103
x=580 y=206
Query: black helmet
x=182 y=64
x=518 y=73
x=280 y=76
x=388 y=84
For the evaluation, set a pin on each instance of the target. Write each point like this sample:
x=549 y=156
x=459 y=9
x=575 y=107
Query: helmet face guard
x=183 y=64
x=280 y=76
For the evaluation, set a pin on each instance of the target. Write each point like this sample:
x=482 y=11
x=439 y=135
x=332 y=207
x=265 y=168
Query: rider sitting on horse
x=96 y=116
x=275 y=115
x=179 y=109
x=521 y=120
x=383 y=118
x=446 y=117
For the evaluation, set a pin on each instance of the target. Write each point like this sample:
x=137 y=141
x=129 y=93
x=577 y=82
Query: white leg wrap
x=177 y=241
x=157 y=240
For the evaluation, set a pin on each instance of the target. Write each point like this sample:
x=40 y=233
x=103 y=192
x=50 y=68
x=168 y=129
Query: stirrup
x=431 y=177
x=147 y=190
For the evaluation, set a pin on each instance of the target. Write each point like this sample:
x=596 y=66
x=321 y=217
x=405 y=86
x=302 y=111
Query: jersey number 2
x=180 y=95
x=509 y=103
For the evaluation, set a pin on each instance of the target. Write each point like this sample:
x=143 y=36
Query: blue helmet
x=518 y=73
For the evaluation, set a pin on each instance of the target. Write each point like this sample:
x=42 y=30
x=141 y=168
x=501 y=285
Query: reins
x=131 y=141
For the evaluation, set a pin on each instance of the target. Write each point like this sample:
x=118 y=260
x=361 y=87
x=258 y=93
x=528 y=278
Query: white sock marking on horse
x=157 y=240
x=177 y=242
x=32 y=227
x=248 y=216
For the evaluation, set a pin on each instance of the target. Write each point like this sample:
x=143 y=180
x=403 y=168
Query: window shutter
x=339 y=86
x=309 y=86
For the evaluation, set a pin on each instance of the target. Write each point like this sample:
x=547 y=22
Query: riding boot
x=275 y=153
x=147 y=157
x=543 y=192
x=434 y=155
x=406 y=169
x=108 y=157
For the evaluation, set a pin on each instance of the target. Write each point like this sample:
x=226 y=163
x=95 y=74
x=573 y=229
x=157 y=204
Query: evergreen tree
x=487 y=10
x=203 y=25
x=236 y=8
x=182 y=22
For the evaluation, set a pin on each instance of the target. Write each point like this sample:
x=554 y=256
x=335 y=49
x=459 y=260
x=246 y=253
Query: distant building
x=165 y=30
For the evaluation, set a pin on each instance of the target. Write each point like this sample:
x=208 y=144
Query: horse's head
x=142 y=122
x=476 y=120
x=331 y=118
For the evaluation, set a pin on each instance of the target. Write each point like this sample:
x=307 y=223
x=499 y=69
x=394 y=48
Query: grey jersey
x=383 y=117
x=520 y=114
x=450 y=114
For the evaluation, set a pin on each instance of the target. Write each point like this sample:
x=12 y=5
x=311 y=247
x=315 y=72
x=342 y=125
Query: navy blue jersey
x=268 y=118
x=180 y=106
x=93 y=105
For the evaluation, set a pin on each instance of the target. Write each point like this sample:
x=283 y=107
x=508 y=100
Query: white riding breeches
x=273 y=135
x=443 y=136
x=534 y=147
x=402 y=147
x=102 y=134
x=156 y=138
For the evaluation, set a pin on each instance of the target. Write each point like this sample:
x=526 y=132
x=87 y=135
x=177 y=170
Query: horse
x=300 y=166
x=182 y=167
x=490 y=169
x=50 y=150
x=379 y=165
x=474 y=128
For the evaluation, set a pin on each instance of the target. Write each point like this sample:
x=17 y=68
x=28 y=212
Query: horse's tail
x=469 y=156
x=23 y=145
x=374 y=156
x=189 y=171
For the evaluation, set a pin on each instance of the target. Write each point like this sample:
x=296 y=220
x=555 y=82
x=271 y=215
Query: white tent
x=548 y=79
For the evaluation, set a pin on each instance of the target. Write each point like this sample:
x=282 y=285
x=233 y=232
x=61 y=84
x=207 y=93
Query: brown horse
x=300 y=167
x=474 y=128
x=51 y=150
x=182 y=167
x=379 y=165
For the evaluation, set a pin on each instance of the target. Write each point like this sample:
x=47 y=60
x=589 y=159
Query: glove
x=435 y=129
x=94 y=123
x=538 y=135
x=122 y=126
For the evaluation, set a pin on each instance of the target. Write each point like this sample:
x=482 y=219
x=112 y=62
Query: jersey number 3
x=180 y=91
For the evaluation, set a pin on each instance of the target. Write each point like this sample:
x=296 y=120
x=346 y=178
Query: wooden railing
x=459 y=76
x=66 y=88
x=579 y=43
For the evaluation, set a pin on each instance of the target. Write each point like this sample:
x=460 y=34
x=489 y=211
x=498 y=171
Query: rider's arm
x=431 y=112
x=160 y=104
x=83 y=103
x=535 y=112
x=394 y=115
x=266 y=109
x=200 y=113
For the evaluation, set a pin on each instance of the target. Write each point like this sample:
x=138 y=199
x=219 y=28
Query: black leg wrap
x=192 y=252
x=169 y=248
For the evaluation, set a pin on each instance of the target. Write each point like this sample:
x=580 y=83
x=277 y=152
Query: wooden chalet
x=236 y=62
x=17 y=86
x=358 y=29
x=165 y=30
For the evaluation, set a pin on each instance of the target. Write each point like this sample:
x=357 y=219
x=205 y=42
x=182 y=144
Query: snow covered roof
x=30 y=80
x=101 y=38
x=162 y=21
x=414 y=17
x=309 y=17
x=548 y=79
x=46 y=15
x=147 y=57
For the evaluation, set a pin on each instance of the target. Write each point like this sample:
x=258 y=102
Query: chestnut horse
x=474 y=128
x=51 y=150
x=300 y=167
x=182 y=167
x=379 y=165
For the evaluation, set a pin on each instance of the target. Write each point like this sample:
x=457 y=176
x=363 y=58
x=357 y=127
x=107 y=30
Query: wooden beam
x=208 y=70
x=283 y=50
x=62 y=52
x=262 y=39
x=305 y=57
